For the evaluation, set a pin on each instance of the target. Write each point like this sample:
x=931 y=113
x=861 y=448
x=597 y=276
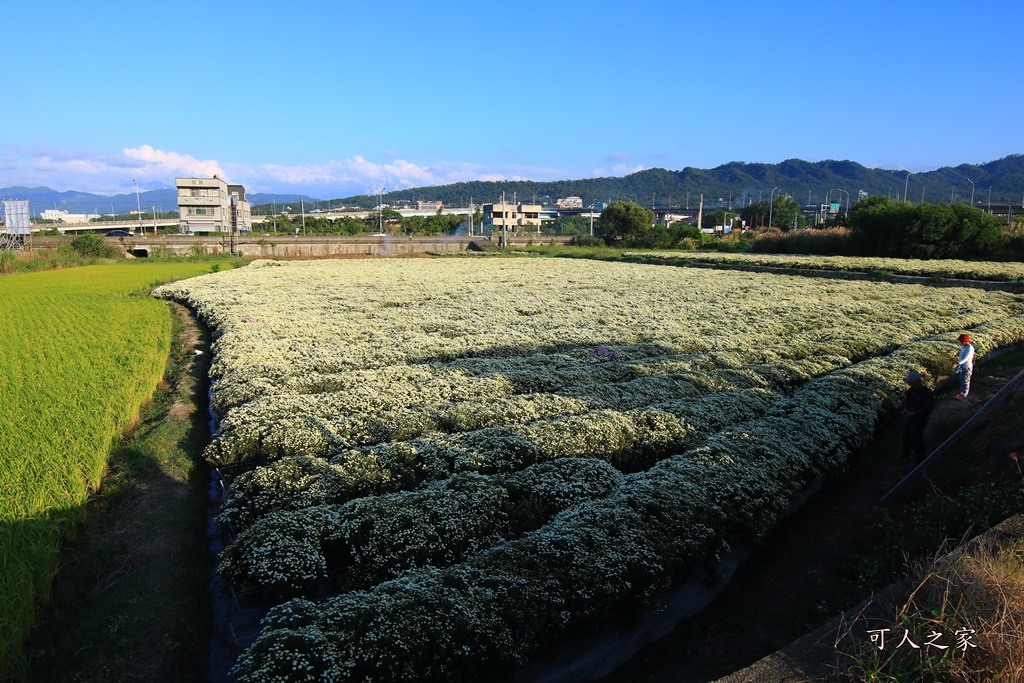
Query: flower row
x=945 y=268
x=630 y=440
x=274 y=426
x=375 y=538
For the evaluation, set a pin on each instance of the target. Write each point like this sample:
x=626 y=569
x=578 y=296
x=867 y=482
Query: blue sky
x=337 y=98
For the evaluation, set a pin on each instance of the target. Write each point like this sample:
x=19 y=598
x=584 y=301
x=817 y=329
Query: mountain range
x=741 y=183
x=42 y=198
x=736 y=183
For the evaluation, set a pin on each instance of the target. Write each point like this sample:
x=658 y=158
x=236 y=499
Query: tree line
x=388 y=220
x=876 y=226
x=883 y=227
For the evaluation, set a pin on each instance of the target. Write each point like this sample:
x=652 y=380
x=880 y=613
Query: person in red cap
x=964 y=366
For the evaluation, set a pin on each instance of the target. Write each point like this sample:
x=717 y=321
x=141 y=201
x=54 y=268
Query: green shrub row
x=376 y=538
x=629 y=440
x=274 y=426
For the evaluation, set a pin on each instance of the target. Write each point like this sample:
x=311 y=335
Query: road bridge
x=146 y=226
x=360 y=215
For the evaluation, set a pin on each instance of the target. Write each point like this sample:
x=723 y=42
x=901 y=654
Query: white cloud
x=616 y=170
x=106 y=173
x=84 y=170
x=157 y=161
x=623 y=169
x=358 y=175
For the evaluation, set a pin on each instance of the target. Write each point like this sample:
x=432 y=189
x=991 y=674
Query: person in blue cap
x=917 y=407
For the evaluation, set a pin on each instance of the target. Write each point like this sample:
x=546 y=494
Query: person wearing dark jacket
x=917 y=407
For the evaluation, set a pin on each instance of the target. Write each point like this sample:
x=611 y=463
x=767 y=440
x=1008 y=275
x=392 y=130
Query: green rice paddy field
x=80 y=351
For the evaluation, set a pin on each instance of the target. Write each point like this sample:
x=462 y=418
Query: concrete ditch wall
x=299 y=246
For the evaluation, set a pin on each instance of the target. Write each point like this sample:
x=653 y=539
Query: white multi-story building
x=62 y=216
x=211 y=205
x=511 y=217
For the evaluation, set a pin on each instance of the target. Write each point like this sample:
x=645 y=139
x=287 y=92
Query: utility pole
x=139 y=203
x=504 y=222
x=234 y=224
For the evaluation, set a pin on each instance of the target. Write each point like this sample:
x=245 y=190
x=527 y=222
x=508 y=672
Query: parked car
x=120 y=233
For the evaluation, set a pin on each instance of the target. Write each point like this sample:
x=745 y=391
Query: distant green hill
x=742 y=183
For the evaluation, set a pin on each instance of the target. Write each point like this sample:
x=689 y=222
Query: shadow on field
x=29 y=558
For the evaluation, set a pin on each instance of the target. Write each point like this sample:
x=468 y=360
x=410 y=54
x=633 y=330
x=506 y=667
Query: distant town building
x=62 y=216
x=570 y=203
x=429 y=206
x=210 y=204
x=670 y=219
x=507 y=216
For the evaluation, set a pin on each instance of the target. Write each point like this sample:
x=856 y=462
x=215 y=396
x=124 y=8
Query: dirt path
x=843 y=544
x=130 y=599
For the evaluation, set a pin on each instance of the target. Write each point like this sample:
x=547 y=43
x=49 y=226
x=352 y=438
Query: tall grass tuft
x=822 y=241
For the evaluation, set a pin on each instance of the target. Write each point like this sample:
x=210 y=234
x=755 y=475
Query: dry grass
x=975 y=599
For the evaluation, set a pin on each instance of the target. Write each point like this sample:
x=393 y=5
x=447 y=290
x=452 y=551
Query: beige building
x=511 y=217
x=429 y=206
x=211 y=205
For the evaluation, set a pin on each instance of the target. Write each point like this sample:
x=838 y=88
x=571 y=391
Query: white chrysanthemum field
x=474 y=457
